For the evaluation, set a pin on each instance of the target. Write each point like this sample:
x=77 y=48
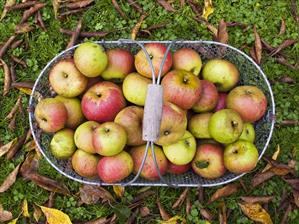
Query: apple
x=135 y=88
x=187 y=59
x=198 y=125
x=85 y=164
x=181 y=88
x=221 y=103
x=109 y=139
x=102 y=102
x=112 y=169
x=149 y=169
x=178 y=169
x=50 y=115
x=83 y=136
x=173 y=124
x=225 y=126
x=248 y=133
x=240 y=157
x=74 y=112
x=208 y=98
x=222 y=73
x=156 y=52
x=249 y=101
x=208 y=161
x=181 y=152
x=91 y=59
x=62 y=145
x=66 y=80
x=130 y=118
x=120 y=64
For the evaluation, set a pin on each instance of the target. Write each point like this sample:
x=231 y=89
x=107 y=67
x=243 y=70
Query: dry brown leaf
x=25 y=208
x=282 y=60
x=12 y=72
x=79 y=4
x=293 y=182
x=222 y=35
x=286 y=214
x=75 y=35
x=196 y=8
x=206 y=214
x=163 y=213
x=137 y=26
x=103 y=220
x=50 y=202
x=282 y=46
x=166 y=5
x=37 y=213
x=19 y=61
x=294 y=10
x=222 y=213
x=256 y=213
x=24 y=87
x=261 y=178
x=22 y=5
x=10 y=179
x=8 y=3
x=13 y=110
x=252 y=54
x=119 y=190
x=144 y=211
x=20 y=142
x=29 y=12
x=178 y=203
x=286 y=79
x=56 y=4
x=296 y=197
x=54 y=216
x=39 y=20
x=282 y=27
x=135 y=5
x=23 y=28
x=5 y=148
x=118 y=9
x=274 y=157
x=200 y=194
x=224 y=191
x=16 y=44
x=4 y=215
x=174 y=220
x=92 y=194
x=6 y=45
x=257 y=46
x=7 y=77
x=29 y=146
x=182 y=3
x=188 y=205
x=208 y=9
x=257 y=199
x=30 y=165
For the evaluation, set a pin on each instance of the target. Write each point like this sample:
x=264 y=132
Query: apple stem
x=234 y=124
x=185 y=80
x=107 y=130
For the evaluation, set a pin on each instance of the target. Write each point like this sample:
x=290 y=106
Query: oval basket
x=250 y=74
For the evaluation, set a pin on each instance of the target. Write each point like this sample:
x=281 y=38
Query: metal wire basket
x=250 y=74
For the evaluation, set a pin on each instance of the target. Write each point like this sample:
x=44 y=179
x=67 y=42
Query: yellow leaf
x=27 y=91
x=208 y=9
x=174 y=220
x=37 y=213
x=14 y=221
x=25 y=208
x=5 y=148
x=7 y=4
x=119 y=190
x=54 y=216
x=274 y=157
x=256 y=213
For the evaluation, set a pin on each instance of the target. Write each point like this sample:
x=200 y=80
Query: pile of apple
x=96 y=117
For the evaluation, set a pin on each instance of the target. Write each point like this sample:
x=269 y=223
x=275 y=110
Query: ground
x=43 y=45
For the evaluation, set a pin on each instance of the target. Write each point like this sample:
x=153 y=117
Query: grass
x=44 y=45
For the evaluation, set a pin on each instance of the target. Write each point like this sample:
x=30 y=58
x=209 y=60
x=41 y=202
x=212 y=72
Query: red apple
x=208 y=98
x=181 y=88
x=120 y=64
x=156 y=52
x=112 y=169
x=149 y=170
x=102 y=102
x=178 y=169
x=187 y=59
x=173 y=124
x=249 y=101
x=208 y=161
x=66 y=79
x=50 y=115
x=221 y=103
x=85 y=164
x=130 y=118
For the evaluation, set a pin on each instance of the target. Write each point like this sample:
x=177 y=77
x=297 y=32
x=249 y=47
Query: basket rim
x=121 y=41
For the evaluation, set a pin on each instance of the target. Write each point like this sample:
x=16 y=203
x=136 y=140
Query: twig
x=75 y=35
x=31 y=11
x=6 y=45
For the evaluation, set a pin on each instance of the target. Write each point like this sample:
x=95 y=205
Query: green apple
x=181 y=152
x=62 y=145
x=198 y=125
x=248 y=133
x=91 y=59
x=225 y=126
x=135 y=88
x=240 y=157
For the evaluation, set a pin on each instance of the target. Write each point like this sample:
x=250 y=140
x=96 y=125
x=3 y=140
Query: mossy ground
x=43 y=45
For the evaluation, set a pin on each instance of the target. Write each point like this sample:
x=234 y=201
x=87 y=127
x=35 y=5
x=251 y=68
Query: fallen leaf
x=29 y=146
x=188 y=205
x=5 y=148
x=137 y=26
x=252 y=54
x=25 y=208
x=37 y=213
x=22 y=5
x=222 y=213
x=277 y=168
x=286 y=214
x=133 y=216
x=296 y=197
x=30 y=165
x=4 y=215
x=224 y=191
x=103 y=220
x=256 y=213
x=164 y=215
x=10 y=180
x=14 y=221
x=135 y=5
x=174 y=220
x=92 y=194
x=14 y=110
x=16 y=44
x=39 y=20
x=7 y=77
x=79 y=4
x=75 y=35
x=261 y=177
x=144 y=211
x=286 y=79
x=274 y=157
x=118 y=9
x=234 y=23
x=70 y=12
x=200 y=194
x=119 y=190
x=282 y=46
x=257 y=199
x=166 y=5
x=23 y=28
x=178 y=203
x=6 y=45
x=29 y=12
x=293 y=182
x=257 y=46
x=182 y=3
x=208 y=9
x=282 y=27
x=19 y=61
x=206 y=214
x=222 y=35
x=8 y=3
x=55 y=216
x=16 y=147
x=196 y=8
x=55 y=4
x=282 y=60
x=294 y=10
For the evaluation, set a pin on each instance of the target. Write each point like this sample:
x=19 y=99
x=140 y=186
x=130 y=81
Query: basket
x=250 y=74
